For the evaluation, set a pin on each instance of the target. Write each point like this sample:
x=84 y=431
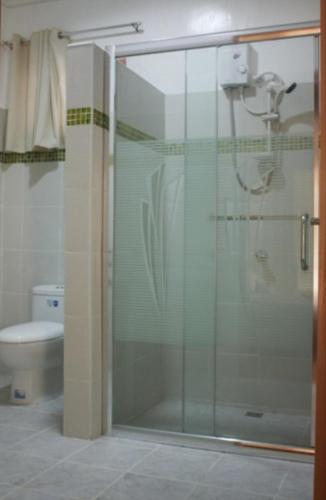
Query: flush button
x=52 y=303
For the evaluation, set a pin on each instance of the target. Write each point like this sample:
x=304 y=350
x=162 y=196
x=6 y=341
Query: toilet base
x=29 y=386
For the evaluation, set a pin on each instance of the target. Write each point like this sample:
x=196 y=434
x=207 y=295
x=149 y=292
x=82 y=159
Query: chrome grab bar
x=255 y=217
x=304 y=242
x=305 y=222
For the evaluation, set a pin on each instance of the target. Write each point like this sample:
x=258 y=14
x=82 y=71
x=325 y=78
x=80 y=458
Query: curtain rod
x=135 y=25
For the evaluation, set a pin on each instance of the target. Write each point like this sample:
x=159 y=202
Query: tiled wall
x=83 y=188
x=31 y=235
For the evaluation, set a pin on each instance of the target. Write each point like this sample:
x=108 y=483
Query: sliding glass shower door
x=213 y=244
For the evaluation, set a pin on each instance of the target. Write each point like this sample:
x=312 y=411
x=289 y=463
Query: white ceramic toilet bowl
x=33 y=354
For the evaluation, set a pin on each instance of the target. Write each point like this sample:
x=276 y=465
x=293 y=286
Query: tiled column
x=83 y=243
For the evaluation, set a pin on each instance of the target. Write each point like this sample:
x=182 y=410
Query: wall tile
x=77 y=172
x=13 y=220
x=41 y=228
x=78 y=350
x=38 y=268
x=77 y=402
x=77 y=284
x=43 y=184
x=13 y=180
x=12 y=271
x=79 y=80
x=77 y=220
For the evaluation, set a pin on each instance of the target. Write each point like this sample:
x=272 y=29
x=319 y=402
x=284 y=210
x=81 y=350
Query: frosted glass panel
x=213 y=321
x=200 y=158
x=148 y=255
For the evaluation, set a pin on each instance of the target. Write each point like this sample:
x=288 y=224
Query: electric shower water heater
x=235 y=65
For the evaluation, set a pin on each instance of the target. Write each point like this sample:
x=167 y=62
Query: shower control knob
x=242 y=69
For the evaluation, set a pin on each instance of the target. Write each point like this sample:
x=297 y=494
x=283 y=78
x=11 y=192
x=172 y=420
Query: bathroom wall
x=161 y=19
x=32 y=234
x=31 y=226
x=84 y=187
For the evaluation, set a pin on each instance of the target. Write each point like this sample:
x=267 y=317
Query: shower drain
x=254 y=414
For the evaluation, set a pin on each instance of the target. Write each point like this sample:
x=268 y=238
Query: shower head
x=285 y=90
x=291 y=88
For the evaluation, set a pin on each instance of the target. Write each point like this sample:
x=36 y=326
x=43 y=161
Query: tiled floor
x=38 y=463
x=279 y=428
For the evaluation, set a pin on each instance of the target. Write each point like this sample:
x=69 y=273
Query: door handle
x=304 y=223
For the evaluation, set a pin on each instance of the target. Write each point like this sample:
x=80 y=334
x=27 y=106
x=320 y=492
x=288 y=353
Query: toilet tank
x=48 y=303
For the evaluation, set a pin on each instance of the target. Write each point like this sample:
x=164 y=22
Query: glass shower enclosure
x=214 y=242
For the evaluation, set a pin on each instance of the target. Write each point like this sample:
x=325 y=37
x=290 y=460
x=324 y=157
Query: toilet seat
x=36 y=331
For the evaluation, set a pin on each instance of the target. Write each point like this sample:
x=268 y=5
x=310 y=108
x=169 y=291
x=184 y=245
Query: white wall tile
x=41 y=228
x=79 y=81
x=43 y=184
x=13 y=179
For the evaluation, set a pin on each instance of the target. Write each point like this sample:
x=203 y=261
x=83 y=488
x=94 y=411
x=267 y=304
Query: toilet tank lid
x=35 y=331
x=56 y=290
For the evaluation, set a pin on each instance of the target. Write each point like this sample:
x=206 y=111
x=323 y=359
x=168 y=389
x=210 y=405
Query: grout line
x=57 y=462
x=37 y=433
x=127 y=471
x=282 y=482
x=131 y=469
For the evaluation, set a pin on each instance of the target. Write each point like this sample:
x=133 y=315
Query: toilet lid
x=31 y=332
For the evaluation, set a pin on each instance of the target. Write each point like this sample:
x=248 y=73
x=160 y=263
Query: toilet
x=33 y=352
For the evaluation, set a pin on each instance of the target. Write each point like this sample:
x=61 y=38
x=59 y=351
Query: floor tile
x=135 y=487
x=27 y=494
x=10 y=435
x=51 y=443
x=114 y=453
x=203 y=492
x=16 y=468
x=73 y=481
x=5 y=489
x=178 y=463
x=262 y=476
x=28 y=418
x=50 y=406
x=298 y=484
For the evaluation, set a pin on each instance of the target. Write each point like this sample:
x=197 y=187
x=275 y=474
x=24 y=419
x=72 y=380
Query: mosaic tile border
x=75 y=116
x=32 y=156
x=87 y=116
x=225 y=145
x=100 y=119
x=79 y=116
x=131 y=133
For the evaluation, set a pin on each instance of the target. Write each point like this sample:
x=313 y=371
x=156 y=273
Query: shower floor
x=231 y=422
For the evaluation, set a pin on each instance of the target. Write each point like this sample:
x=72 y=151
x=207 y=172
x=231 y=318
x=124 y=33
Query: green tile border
x=226 y=145
x=223 y=145
x=75 y=116
x=79 y=116
x=131 y=133
x=100 y=119
x=87 y=116
x=32 y=156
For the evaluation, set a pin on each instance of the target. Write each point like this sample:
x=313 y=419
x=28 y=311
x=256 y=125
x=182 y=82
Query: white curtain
x=37 y=88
